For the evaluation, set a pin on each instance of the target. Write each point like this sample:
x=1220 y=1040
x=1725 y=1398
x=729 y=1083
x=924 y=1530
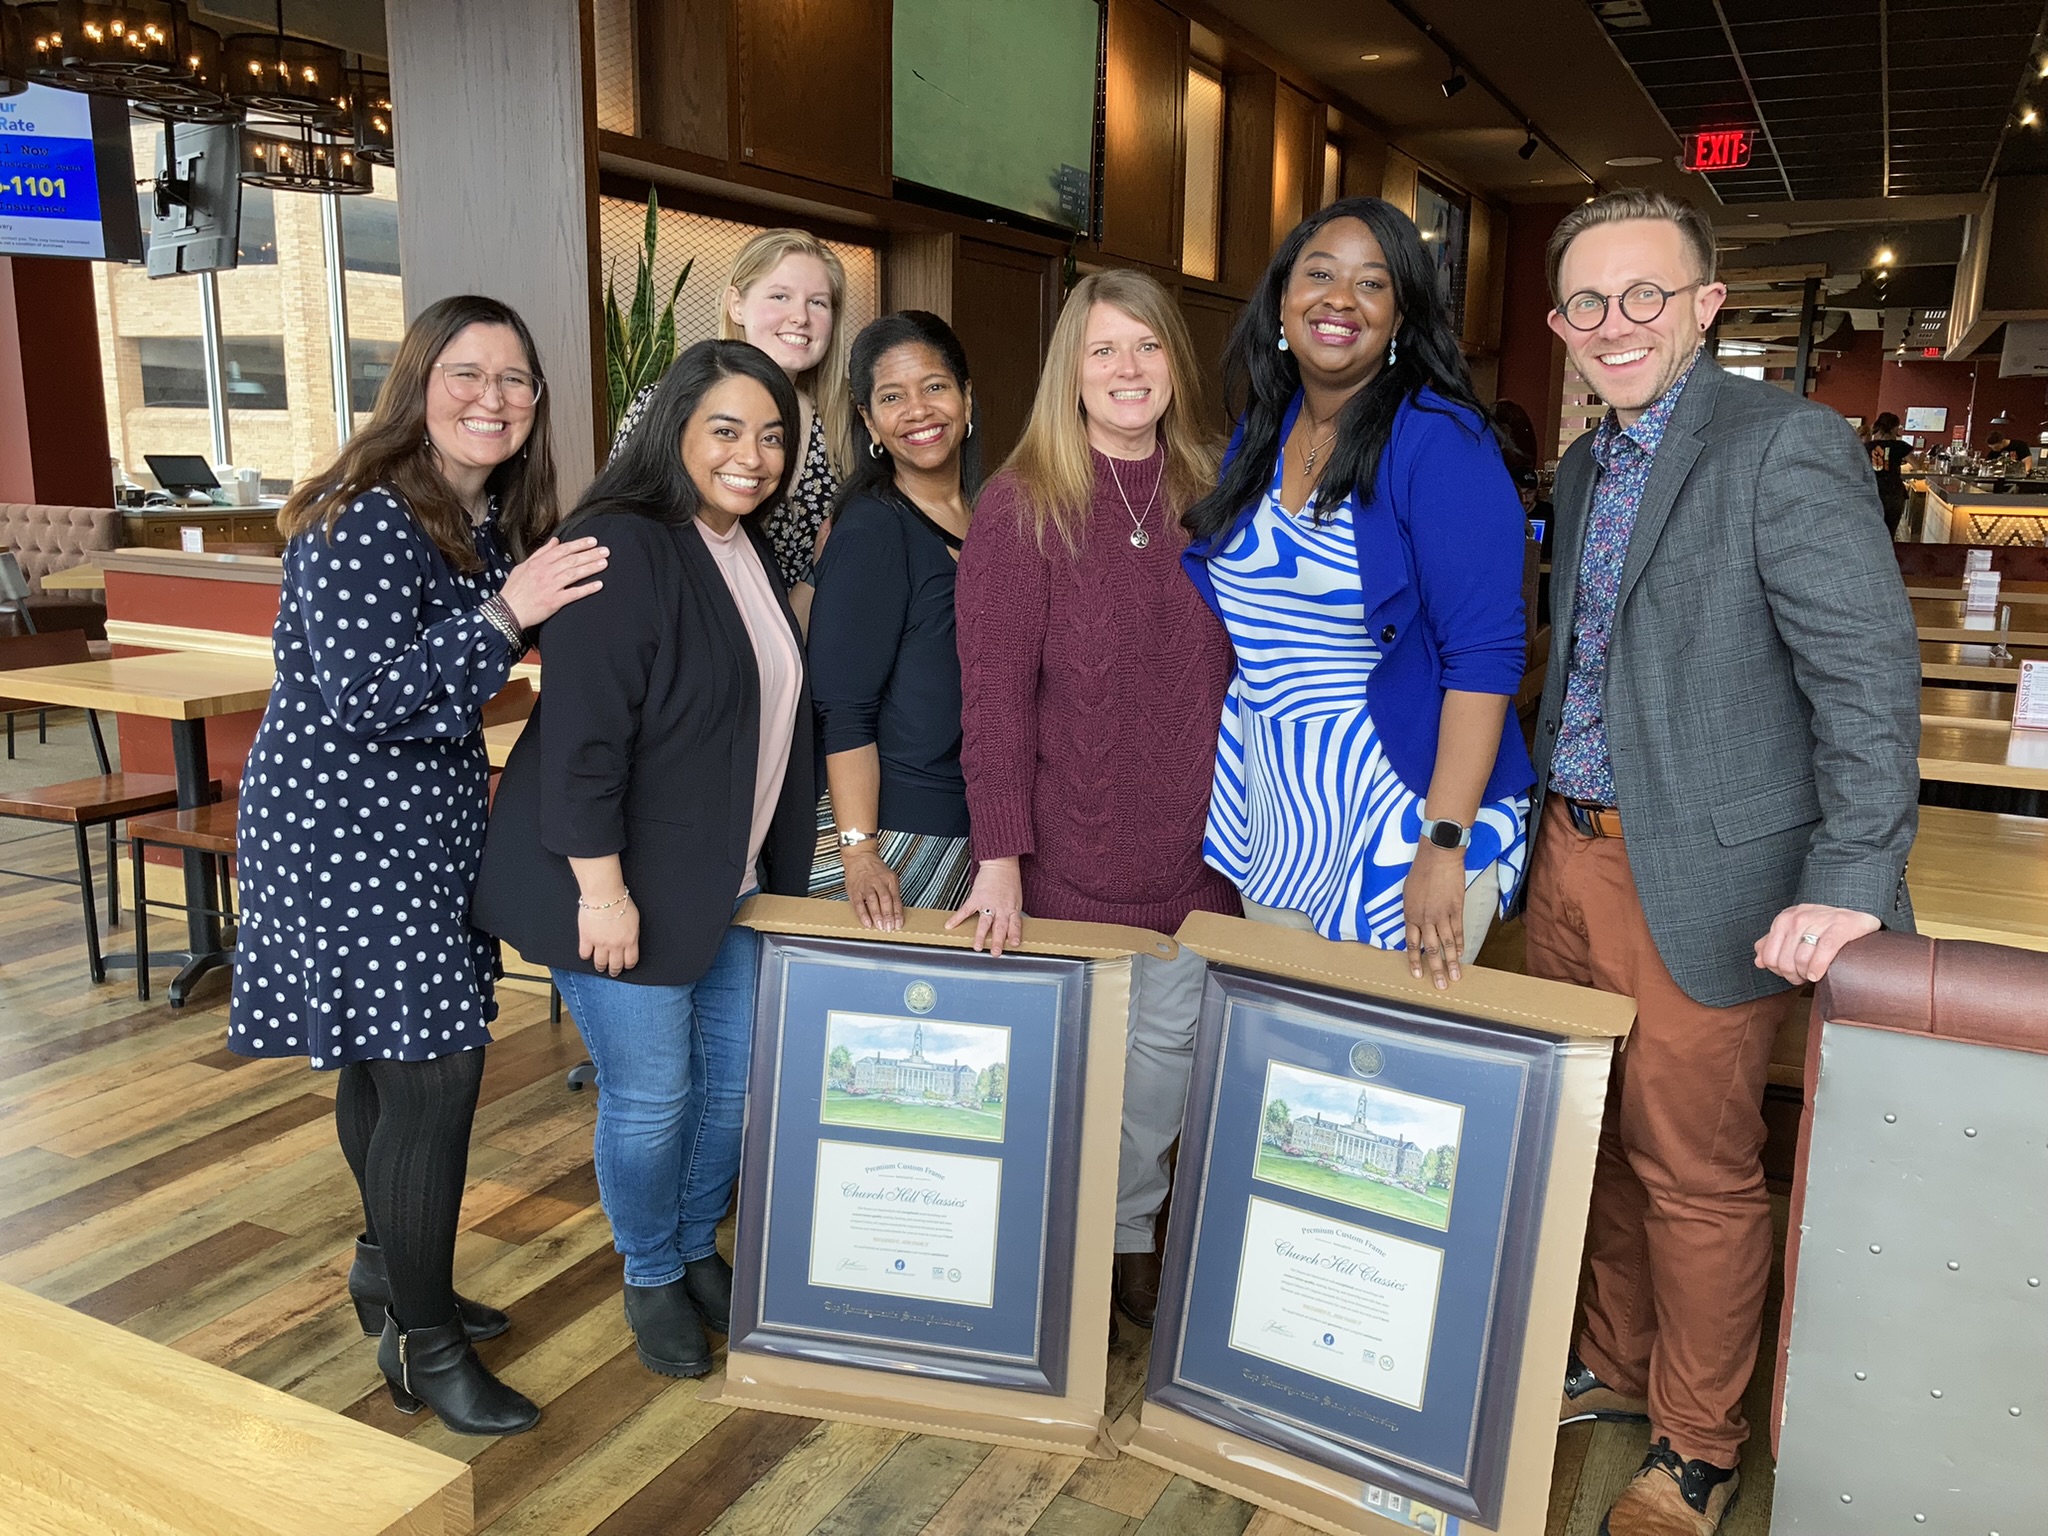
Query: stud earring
x=1283 y=341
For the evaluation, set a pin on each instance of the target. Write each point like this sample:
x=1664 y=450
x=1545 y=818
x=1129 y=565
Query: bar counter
x=1973 y=512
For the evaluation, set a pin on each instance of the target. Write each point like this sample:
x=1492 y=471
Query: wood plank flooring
x=150 y=1178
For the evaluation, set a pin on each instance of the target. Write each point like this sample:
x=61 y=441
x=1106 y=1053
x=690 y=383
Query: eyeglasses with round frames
x=1640 y=304
x=467 y=382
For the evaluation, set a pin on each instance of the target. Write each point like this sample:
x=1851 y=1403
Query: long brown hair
x=1051 y=462
x=393 y=449
x=826 y=383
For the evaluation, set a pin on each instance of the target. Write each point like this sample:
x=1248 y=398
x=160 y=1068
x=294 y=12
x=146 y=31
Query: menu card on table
x=2030 y=703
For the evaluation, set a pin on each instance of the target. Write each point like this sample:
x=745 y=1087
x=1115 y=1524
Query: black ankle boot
x=369 y=1287
x=667 y=1336
x=438 y=1367
x=708 y=1284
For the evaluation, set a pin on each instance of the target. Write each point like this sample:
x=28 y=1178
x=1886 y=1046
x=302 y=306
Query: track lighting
x=1528 y=149
x=1454 y=82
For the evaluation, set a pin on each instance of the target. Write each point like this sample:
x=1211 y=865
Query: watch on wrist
x=852 y=839
x=1446 y=833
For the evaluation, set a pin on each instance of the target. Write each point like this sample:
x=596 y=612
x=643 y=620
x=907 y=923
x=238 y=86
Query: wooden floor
x=151 y=1178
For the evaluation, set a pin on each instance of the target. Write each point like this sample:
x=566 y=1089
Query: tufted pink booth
x=48 y=539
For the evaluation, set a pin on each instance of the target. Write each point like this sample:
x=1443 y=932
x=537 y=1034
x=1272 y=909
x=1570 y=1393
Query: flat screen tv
x=995 y=102
x=67 y=177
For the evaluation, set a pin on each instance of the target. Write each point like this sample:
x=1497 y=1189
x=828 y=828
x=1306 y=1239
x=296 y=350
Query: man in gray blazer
x=1726 y=765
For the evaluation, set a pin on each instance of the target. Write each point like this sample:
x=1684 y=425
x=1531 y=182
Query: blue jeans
x=671 y=1098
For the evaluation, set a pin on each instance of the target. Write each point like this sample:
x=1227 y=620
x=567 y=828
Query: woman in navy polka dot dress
x=363 y=805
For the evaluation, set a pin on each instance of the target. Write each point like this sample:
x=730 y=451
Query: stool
x=83 y=804
x=206 y=829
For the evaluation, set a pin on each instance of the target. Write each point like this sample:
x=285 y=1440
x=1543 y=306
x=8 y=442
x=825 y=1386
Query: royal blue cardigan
x=1440 y=561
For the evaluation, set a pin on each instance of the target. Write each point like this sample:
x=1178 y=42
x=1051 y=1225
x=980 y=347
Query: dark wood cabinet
x=812 y=92
x=685 y=74
x=1248 y=104
x=1210 y=318
x=1003 y=302
x=1142 y=145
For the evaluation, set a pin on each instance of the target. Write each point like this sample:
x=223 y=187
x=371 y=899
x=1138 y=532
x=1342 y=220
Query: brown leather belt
x=1593 y=820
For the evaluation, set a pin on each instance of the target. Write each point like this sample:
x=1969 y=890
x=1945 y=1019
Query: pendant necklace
x=1139 y=537
x=1308 y=459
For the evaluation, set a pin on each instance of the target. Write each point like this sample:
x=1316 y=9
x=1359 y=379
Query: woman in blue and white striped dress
x=1364 y=550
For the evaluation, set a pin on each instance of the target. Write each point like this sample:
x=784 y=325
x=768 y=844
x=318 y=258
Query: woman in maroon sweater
x=1093 y=679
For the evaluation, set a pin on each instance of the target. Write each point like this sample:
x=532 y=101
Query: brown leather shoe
x=1670 y=1496
x=1135 y=1283
x=1588 y=1399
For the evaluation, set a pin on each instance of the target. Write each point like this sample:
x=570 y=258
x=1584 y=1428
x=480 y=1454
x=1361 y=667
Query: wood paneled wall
x=812 y=92
x=1210 y=317
x=685 y=68
x=497 y=181
x=1398 y=185
x=1143 y=146
x=1250 y=94
x=1003 y=305
x=1297 y=159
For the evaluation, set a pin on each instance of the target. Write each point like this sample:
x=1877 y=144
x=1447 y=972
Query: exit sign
x=1717 y=149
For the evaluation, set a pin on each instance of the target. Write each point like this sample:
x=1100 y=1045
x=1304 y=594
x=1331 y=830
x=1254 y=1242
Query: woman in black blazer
x=666 y=774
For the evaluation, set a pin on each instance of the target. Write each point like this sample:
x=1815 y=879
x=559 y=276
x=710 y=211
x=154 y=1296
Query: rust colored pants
x=1678 y=1244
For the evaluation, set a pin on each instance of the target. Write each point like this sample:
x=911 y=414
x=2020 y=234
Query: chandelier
x=376 y=130
x=196 y=92
x=275 y=74
x=13 y=52
x=300 y=161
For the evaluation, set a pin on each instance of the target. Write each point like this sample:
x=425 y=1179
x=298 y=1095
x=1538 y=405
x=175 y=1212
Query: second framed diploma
x=913 y=1196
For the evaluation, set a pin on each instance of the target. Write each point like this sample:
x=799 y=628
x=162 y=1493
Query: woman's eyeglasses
x=1640 y=303
x=466 y=382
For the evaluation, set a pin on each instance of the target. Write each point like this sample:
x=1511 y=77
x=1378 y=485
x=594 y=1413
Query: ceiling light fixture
x=293 y=78
x=1631 y=162
x=1529 y=148
x=1884 y=257
x=1368 y=58
x=1453 y=83
x=2029 y=118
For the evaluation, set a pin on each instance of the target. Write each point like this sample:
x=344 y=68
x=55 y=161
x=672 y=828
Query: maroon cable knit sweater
x=1092 y=693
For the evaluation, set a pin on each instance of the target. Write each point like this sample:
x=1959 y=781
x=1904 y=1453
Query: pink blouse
x=781 y=666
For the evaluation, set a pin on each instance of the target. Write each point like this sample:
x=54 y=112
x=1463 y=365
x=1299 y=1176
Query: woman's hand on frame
x=996 y=903
x=1433 y=901
x=872 y=888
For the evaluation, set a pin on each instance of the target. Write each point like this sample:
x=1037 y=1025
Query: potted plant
x=638 y=344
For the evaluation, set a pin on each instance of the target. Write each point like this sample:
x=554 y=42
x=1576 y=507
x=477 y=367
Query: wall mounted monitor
x=995 y=103
x=1926 y=418
x=67 y=177
x=198 y=199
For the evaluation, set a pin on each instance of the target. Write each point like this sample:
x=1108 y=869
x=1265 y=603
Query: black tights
x=404 y=1128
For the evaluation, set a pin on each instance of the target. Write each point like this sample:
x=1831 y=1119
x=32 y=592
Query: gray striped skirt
x=931 y=872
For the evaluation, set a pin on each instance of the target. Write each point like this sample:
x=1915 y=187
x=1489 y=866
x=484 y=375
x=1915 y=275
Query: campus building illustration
x=912 y=1077
x=1352 y=1146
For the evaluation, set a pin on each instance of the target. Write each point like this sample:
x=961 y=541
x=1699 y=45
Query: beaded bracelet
x=498 y=614
x=603 y=906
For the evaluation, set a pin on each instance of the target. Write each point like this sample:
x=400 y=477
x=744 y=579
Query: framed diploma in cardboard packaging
x=917 y=1243
x=1375 y=1237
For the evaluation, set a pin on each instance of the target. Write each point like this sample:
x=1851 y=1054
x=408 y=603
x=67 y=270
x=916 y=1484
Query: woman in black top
x=884 y=668
x=1888 y=455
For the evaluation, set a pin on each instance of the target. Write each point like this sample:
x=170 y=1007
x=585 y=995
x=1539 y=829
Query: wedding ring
x=988 y=911
x=1809 y=938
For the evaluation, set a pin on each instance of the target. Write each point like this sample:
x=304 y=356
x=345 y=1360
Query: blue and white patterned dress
x=1307 y=813
x=361 y=820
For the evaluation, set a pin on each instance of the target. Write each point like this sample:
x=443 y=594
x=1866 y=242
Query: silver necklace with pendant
x=1140 y=539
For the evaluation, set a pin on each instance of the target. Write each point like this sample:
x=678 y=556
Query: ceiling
x=356 y=26
x=1848 y=98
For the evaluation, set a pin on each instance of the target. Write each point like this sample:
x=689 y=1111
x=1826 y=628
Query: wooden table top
x=1984 y=709
x=1948 y=621
x=78 y=578
x=1963 y=754
x=102 y=1431
x=1974 y=875
x=168 y=685
x=1942 y=662
x=498 y=740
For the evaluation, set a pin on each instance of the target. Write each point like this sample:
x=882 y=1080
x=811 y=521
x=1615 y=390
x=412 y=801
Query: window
x=256 y=245
x=1201 y=223
x=369 y=233
x=173 y=371
x=255 y=373
x=369 y=363
x=1440 y=214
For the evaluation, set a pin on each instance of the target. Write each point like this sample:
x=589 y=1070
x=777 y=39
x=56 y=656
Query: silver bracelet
x=498 y=614
x=619 y=900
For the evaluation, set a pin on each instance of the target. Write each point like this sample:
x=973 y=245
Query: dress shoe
x=708 y=1284
x=438 y=1368
x=1587 y=1398
x=667 y=1335
x=1670 y=1496
x=369 y=1287
x=1135 y=1283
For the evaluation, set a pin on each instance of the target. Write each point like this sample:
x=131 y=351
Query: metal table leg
x=188 y=751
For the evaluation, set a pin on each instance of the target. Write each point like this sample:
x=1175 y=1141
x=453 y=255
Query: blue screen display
x=49 y=176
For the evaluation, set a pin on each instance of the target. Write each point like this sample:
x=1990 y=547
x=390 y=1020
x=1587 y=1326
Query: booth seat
x=46 y=540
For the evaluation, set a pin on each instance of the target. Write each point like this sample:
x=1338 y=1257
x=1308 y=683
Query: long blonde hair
x=1051 y=462
x=826 y=383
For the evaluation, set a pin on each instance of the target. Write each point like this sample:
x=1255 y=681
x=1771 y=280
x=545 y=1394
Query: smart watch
x=1447 y=834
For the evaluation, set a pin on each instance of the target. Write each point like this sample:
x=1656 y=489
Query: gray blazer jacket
x=1762 y=698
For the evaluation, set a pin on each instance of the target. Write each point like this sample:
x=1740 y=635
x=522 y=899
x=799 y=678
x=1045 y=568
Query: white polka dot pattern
x=362 y=807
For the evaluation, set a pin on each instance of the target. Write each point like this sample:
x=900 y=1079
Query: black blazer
x=644 y=744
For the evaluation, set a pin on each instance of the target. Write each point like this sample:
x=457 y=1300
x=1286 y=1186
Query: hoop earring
x=970 y=427
x=876 y=450
x=1283 y=341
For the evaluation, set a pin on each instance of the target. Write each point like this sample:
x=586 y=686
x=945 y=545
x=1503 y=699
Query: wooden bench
x=106 y=1434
